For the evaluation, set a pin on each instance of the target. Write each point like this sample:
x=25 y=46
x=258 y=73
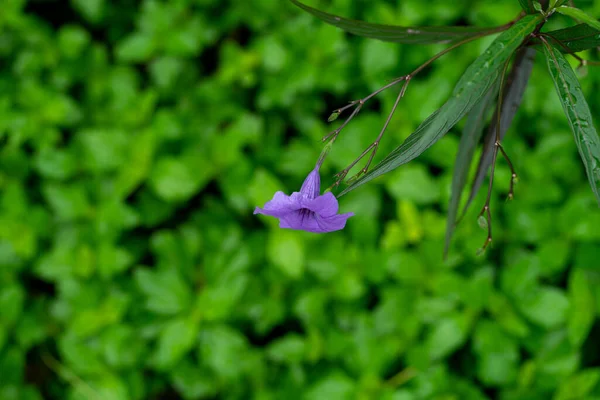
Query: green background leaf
x=131 y=266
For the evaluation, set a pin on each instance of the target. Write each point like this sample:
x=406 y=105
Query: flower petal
x=325 y=206
x=309 y=221
x=333 y=223
x=312 y=184
x=280 y=205
x=302 y=220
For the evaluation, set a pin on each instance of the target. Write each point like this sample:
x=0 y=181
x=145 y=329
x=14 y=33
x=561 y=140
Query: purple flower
x=306 y=210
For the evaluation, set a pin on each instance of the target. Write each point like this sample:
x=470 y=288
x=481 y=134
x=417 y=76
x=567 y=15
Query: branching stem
x=485 y=211
x=358 y=104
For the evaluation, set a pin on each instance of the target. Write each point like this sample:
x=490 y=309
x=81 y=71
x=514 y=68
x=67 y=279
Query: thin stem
x=69 y=376
x=332 y=136
x=402 y=377
x=485 y=211
x=387 y=122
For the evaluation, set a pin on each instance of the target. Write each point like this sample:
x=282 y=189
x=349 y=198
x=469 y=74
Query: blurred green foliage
x=136 y=139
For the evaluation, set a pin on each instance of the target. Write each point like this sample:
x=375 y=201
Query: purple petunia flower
x=306 y=210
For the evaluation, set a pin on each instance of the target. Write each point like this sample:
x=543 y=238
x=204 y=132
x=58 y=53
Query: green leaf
x=516 y=84
x=399 y=34
x=506 y=316
x=497 y=354
x=527 y=5
x=578 y=114
x=91 y=10
x=166 y=292
x=334 y=386
x=11 y=304
x=447 y=335
x=415 y=184
x=120 y=346
x=192 y=381
x=579 y=385
x=466 y=149
x=579 y=15
x=546 y=306
x=173 y=181
x=583 y=307
x=288 y=349
x=176 y=339
x=472 y=86
x=575 y=38
x=224 y=350
x=286 y=250
x=137 y=47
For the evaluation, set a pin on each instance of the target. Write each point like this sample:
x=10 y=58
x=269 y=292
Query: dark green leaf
x=399 y=34
x=468 y=142
x=176 y=339
x=579 y=15
x=575 y=38
x=578 y=113
x=583 y=307
x=472 y=86
x=513 y=95
x=579 y=385
x=527 y=5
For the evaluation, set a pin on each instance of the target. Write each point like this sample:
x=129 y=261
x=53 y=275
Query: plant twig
x=485 y=211
x=402 y=377
x=70 y=376
x=358 y=104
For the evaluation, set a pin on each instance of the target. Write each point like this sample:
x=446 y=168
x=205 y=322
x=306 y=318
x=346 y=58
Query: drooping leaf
x=579 y=15
x=512 y=97
x=466 y=148
x=578 y=114
x=575 y=38
x=399 y=34
x=472 y=86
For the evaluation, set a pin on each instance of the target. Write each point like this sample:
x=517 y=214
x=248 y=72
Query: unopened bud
x=351 y=180
x=482 y=221
x=334 y=115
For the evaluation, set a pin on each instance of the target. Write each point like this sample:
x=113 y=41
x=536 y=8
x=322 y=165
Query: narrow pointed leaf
x=579 y=15
x=516 y=84
x=399 y=34
x=466 y=149
x=578 y=114
x=574 y=39
x=472 y=86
